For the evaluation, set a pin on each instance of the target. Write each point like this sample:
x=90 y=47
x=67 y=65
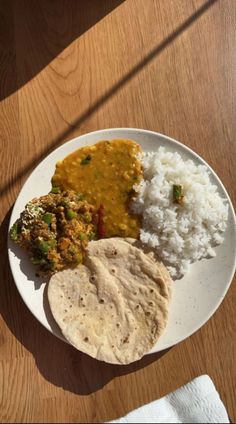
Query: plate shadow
x=58 y=362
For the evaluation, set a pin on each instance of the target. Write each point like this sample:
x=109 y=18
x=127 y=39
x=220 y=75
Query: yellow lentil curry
x=104 y=174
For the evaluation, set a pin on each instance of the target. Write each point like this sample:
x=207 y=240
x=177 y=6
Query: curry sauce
x=105 y=174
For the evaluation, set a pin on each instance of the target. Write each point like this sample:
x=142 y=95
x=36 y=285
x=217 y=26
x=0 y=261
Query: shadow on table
x=58 y=362
x=111 y=92
x=33 y=33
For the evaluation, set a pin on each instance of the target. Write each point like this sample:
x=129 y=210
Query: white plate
x=195 y=297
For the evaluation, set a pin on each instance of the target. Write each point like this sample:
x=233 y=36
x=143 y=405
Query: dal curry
x=105 y=174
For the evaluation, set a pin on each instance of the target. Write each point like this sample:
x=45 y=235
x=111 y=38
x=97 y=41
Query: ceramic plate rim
x=105 y=131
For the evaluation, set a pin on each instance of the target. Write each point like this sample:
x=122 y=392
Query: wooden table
x=70 y=67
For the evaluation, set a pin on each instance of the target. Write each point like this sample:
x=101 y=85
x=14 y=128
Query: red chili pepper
x=100 y=225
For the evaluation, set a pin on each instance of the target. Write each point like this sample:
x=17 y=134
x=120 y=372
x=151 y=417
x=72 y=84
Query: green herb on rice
x=178 y=196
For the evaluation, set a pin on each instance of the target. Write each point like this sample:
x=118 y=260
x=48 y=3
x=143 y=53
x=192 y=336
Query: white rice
x=181 y=234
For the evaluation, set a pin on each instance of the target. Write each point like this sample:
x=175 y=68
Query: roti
x=154 y=256
x=115 y=306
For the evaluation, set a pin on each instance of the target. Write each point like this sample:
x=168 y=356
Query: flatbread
x=115 y=306
x=154 y=256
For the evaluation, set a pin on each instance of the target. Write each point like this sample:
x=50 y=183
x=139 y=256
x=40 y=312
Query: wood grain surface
x=70 y=67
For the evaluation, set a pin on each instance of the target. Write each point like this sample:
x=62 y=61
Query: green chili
x=79 y=258
x=55 y=190
x=86 y=160
x=87 y=218
x=14 y=231
x=44 y=246
x=92 y=235
x=47 y=218
x=178 y=194
x=70 y=214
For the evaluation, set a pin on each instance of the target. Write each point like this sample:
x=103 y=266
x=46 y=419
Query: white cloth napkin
x=197 y=402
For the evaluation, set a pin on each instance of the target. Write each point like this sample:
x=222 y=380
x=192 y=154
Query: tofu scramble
x=55 y=229
x=105 y=174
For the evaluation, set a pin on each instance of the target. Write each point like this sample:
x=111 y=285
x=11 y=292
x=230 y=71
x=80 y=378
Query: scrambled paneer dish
x=55 y=229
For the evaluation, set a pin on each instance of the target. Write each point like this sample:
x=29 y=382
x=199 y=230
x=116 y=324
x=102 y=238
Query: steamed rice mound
x=185 y=233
